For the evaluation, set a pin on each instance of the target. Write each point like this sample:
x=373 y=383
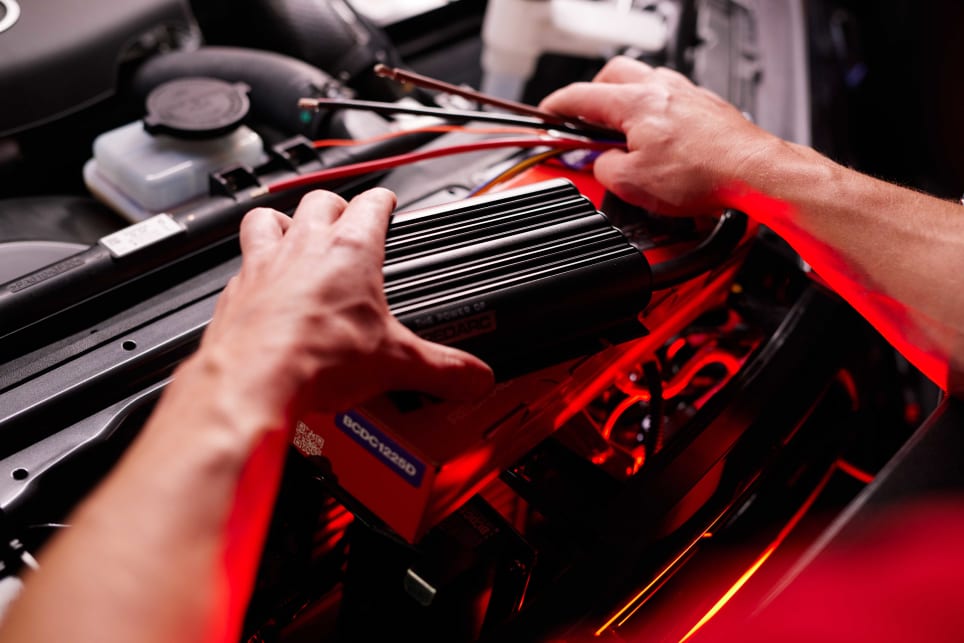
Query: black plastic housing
x=59 y=57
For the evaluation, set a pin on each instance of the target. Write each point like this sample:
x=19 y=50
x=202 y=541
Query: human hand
x=686 y=146
x=305 y=321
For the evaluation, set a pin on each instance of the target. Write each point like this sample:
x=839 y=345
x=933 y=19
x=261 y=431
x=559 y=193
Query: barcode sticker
x=141 y=235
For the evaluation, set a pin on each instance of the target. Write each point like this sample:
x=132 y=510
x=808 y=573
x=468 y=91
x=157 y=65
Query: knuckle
x=665 y=72
x=322 y=198
x=351 y=238
x=621 y=62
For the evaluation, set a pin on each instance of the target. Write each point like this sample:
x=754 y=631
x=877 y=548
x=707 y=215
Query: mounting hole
x=129 y=345
x=20 y=474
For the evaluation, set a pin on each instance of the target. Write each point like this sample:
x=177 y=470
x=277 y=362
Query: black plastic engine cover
x=57 y=57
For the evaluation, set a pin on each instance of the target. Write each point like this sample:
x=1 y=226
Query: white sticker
x=141 y=235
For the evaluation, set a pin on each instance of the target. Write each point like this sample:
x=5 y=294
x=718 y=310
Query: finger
x=366 y=218
x=261 y=230
x=623 y=69
x=617 y=171
x=610 y=169
x=370 y=211
x=594 y=102
x=437 y=370
x=318 y=207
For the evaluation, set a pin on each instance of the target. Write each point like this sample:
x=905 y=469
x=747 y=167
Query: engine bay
x=675 y=397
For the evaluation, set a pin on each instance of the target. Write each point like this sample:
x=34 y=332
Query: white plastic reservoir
x=142 y=174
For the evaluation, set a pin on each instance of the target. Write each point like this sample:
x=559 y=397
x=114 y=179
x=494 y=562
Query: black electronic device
x=522 y=278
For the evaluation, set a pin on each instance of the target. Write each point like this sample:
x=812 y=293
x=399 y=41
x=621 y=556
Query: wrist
x=211 y=392
x=774 y=178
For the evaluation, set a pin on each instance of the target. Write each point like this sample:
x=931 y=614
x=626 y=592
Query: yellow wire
x=516 y=169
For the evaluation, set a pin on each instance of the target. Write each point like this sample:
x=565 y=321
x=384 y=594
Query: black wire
x=459 y=116
x=711 y=252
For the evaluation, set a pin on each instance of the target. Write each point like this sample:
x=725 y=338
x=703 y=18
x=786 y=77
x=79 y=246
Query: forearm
x=167 y=548
x=894 y=254
x=897 y=255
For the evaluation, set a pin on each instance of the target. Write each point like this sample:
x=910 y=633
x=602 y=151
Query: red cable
x=389 y=162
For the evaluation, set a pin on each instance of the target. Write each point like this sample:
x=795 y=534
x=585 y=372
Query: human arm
x=167 y=548
x=895 y=254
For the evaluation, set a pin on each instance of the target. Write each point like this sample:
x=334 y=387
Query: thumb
x=438 y=370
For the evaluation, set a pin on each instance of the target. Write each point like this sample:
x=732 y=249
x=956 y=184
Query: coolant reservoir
x=192 y=128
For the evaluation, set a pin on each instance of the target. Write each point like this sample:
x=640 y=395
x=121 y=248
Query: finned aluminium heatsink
x=522 y=278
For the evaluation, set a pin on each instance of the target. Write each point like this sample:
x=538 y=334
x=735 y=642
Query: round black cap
x=196 y=107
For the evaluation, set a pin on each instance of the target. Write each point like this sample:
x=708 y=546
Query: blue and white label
x=382 y=447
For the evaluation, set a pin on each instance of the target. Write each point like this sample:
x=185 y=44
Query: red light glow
x=679 y=310
x=748 y=574
x=855 y=472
